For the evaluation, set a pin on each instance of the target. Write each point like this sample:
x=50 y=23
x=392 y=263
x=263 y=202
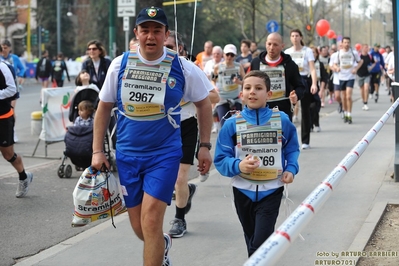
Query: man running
x=345 y=65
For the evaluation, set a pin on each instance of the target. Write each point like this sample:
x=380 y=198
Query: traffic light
x=45 y=36
x=308 y=27
x=33 y=39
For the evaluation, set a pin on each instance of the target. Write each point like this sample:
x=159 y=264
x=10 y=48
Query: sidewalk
x=214 y=234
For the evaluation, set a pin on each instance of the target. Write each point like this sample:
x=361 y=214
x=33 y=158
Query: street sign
x=126 y=8
x=272 y=26
x=126 y=11
x=126 y=24
x=126 y=3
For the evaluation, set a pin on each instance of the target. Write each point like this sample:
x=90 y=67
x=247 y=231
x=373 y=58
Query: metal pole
x=371 y=18
x=281 y=18
x=111 y=28
x=39 y=40
x=395 y=86
x=58 y=26
x=343 y=19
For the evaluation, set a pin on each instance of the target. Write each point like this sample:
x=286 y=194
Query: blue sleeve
x=18 y=66
x=290 y=145
x=225 y=161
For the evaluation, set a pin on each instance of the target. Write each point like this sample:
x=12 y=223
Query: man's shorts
x=375 y=78
x=363 y=80
x=346 y=84
x=155 y=175
x=7 y=131
x=44 y=79
x=189 y=136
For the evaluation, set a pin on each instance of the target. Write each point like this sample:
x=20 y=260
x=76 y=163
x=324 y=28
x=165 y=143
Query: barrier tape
x=276 y=245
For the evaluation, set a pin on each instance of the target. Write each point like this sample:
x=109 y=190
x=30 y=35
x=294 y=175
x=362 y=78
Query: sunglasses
x=230 y=54
x=92 y=49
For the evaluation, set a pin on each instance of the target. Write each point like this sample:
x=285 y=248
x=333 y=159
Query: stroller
x=78 y=139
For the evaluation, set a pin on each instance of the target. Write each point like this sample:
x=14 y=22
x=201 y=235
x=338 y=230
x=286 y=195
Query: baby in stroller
x=79 y=137
x=86 y=111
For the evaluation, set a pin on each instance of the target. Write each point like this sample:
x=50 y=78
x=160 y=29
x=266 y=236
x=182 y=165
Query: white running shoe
x=317 y=129
x=23 y=186
x=168 y=245
x=365 y=107
x=305 y=146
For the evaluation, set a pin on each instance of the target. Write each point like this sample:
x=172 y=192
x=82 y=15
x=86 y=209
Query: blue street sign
x=272 y=26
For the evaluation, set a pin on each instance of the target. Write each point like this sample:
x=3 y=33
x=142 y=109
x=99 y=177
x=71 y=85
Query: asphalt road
x=42 y=219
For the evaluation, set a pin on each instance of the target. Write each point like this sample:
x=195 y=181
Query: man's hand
x=98 y=159
x=204 y=160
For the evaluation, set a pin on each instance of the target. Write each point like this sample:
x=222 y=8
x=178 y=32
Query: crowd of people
x=172 y=105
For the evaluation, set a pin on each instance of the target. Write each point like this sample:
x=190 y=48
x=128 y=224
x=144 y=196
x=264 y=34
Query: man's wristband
x=97 y=152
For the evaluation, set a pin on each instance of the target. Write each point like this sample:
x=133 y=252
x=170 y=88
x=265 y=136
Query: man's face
x=376 y=48
x=254 y=47
x=346 y=44
x=6 y=50
x=208 y=48
x=365 y=49
x=274 y=46
x=217 y=55
x=324 y=52
x=151 y=37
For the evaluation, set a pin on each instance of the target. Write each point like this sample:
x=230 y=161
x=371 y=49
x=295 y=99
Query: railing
x=275 y=246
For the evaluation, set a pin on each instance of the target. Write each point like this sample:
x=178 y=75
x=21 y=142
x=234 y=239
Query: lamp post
x=350 y=18
x=58 y=26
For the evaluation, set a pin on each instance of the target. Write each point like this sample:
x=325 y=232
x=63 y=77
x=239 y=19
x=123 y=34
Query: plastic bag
x=97 y=195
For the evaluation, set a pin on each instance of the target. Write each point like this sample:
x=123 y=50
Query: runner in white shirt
x=347 y=63
x=304 y=58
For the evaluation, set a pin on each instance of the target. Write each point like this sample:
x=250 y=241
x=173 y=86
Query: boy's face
x=254 y=93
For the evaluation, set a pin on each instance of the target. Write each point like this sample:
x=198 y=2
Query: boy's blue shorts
x=155 y=175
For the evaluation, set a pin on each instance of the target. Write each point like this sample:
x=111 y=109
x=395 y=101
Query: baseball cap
x=376 y=45
x=230 y=48
x=154 y=14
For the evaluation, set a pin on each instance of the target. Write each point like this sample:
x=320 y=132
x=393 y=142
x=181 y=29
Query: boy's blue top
x=225 y=154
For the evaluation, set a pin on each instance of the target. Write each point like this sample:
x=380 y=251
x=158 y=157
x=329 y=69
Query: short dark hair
x=247 y=42
x=6 y=42
x=258 y=74
x=346 y=38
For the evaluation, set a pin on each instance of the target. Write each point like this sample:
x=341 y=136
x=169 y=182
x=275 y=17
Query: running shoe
x=305 y=146
x=376 y=97
x=168 y=245
x=23 y=185
x=365 y=107
x=192 y=189
x=179 y=228
x=349 y=120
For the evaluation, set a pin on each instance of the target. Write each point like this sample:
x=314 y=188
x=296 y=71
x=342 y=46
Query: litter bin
x=36 y=123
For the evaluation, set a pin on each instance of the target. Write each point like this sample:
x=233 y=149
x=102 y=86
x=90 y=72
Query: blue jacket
x=16 y=63
x=379 y=59
x=227 y=163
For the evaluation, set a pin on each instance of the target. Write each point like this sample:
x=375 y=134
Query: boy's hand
x=287 y=177
x=249 y=164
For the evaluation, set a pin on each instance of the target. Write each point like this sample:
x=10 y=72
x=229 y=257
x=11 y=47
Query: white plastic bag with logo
x=97 y=195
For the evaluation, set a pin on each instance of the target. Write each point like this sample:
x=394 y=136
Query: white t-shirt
x=346 y=60
x=391 y=65
x=208 y=69
x=333 y=57
x=301 y=58
x=196 y=88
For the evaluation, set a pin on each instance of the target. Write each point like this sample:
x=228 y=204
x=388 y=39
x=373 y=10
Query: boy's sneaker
x=168 y=245
x=192 y=189
x=179 y=228
x=23 y=186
